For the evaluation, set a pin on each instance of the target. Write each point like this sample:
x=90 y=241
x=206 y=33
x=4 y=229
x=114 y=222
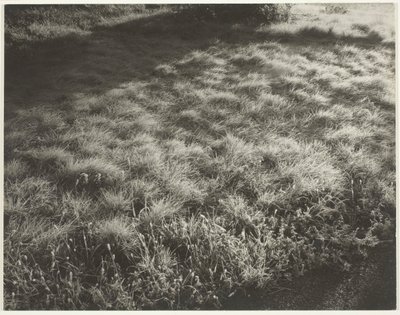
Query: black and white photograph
x=199 y=156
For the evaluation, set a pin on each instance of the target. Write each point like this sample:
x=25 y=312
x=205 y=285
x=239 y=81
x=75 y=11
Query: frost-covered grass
x=161 y=165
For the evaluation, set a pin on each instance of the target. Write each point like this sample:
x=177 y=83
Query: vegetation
x=261 y=13
x=335 y=9
x=155 y=162
x=27 y=23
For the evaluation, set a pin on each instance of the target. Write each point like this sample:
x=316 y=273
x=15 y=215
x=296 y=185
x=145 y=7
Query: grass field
x=153 y=162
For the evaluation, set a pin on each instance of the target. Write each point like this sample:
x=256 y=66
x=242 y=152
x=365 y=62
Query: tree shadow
x=108 y=57
x=53 y=70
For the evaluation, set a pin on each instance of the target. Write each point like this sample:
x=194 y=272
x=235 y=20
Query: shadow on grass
x=370 y=285
x=53 y=70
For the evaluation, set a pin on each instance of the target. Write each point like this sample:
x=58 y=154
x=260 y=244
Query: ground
x=153 y=161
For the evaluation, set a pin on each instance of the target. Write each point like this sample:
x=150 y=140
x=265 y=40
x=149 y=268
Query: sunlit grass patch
x=331 y=118
x=15 y=169
x=47 y=121
x=90 y=174
x=300 y=168
x=142 y=160
x=200 y=58
x=313 y=172
x=37 y=234
x=354 y=87
x=225 y=99
x=159 y=211
x=142 y=192
x=331 y=26
x=49 y=160
x=236 y=151
x=198 y=157
x=31 y=196
x=116 y=232
x=240 y=216
x=77 y=207
x=191 y=119
x=260 y=111
x=93 y=141
x=349 y=134
x=116 y=202
x=181 y=181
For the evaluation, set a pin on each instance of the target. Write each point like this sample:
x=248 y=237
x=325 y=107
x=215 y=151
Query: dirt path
x=371 y=285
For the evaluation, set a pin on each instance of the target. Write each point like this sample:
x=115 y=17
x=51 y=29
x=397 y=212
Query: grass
x=172 y=164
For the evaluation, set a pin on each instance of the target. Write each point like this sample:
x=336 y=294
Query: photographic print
x=199 y=156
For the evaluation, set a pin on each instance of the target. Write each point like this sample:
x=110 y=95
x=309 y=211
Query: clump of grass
x=106 y=104
x=191 y=119
x=90 y=175
x=39 y=23
x=29 y=196
x=159 y=211
x=14 y=141
x=335 y=9
x=240 y=216
x=237 y=151
x=77 y=207
x=49 y=160
x=142 y=192
x=49 y=30
x=179 y=181
x=227 y=100
x=349 y=134
x=267 y=107
x=195 y=155
x=15 y=169
x=143 y=160
x=37 y=234
x=115 y=202
x=116 y=232
x=165 y=70
x=314 y=170
x=95 y=141
x=48 y=121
